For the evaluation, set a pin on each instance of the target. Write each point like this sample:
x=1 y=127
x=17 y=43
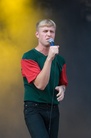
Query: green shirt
x=32 y=63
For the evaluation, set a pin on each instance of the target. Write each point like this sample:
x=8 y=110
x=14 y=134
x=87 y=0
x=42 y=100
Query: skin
x=43 y=34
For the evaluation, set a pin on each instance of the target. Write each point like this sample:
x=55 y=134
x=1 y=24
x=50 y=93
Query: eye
x=52 y=31
x=45 y=31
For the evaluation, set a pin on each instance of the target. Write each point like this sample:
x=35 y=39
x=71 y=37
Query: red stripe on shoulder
x=29 y=69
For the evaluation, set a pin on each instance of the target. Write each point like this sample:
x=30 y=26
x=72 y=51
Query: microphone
x=51 y=41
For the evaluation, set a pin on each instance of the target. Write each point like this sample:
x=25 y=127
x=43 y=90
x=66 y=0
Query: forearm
x=42 y=79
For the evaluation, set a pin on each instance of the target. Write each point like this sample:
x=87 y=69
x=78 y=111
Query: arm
x=42 y=78
x=63 y=82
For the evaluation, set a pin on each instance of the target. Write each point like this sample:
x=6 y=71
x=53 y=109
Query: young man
x=45 y=81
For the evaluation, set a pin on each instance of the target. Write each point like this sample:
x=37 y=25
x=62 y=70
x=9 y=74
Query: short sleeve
x=29 y=69
x=63 y=76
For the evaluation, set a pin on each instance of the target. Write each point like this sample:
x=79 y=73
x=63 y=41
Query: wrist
x=49 y=59
x=64 y=88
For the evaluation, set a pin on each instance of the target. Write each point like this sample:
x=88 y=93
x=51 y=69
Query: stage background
x=17 y=35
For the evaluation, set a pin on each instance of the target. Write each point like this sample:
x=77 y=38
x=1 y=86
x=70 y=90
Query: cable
x=52 y=97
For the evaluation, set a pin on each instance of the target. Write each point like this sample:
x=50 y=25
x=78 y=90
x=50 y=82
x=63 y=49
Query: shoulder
x=31 y=54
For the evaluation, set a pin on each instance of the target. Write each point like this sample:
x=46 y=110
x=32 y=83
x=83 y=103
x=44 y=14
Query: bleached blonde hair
x=45 y=22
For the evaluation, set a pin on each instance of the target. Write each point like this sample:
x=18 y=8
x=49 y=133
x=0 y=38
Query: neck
x=43 y=49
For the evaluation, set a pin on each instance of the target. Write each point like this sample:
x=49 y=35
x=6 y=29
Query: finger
x=60 y=98
x=59 y=93
x=57 y=88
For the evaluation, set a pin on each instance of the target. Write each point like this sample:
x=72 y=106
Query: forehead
x=47 y=28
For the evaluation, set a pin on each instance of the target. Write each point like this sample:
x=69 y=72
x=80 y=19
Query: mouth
x=48 y=38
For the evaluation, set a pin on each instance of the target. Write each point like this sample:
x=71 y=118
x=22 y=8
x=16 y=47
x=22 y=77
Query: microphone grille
x=51 y=40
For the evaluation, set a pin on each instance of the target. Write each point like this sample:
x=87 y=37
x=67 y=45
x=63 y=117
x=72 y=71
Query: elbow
x=40 y=87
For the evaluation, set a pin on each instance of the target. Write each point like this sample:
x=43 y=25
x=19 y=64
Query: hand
x=53 y=51
x=61 y=91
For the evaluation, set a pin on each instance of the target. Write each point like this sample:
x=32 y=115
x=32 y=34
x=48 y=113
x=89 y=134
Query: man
x=45 y=81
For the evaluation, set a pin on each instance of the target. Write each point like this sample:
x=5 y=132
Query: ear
x=37 y=34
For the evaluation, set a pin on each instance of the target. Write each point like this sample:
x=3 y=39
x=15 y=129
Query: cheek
x=41 y=37
x=53 y=35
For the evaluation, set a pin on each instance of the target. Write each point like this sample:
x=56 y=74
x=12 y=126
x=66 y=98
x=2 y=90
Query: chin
x=47 y=45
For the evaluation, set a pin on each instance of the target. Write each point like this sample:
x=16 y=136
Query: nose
x=48 y=33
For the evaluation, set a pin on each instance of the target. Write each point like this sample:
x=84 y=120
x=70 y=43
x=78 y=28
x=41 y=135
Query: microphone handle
x=52 y=43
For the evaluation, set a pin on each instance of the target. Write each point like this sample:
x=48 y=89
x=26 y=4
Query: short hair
x=45 y=22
